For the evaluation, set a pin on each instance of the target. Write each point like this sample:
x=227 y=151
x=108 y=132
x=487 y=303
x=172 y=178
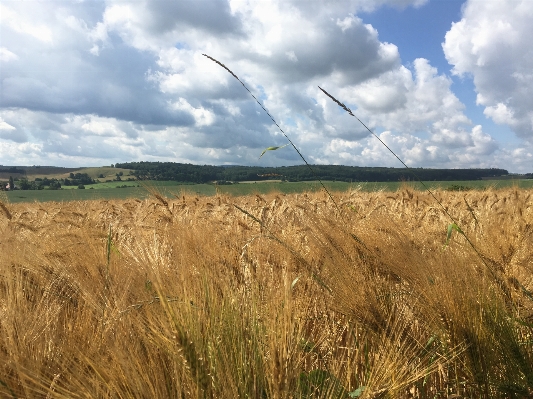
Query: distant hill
x=6 y=171
x=188 y=173
x=30 y=171
x=208 y=173
x=57 y=172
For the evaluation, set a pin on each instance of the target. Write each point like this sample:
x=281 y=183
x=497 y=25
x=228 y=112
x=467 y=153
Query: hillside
x=207 y=173
x=56 y=172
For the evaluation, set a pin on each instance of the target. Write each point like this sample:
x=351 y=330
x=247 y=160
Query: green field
x=107 y=171
x=169 y=189
x=54 y=172
x=113 y=184
x=101 y=191
x=285 y=187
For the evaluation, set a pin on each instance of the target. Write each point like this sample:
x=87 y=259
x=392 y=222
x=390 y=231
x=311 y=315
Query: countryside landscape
x=274 y=199
x=135 y=180
x=361 y=291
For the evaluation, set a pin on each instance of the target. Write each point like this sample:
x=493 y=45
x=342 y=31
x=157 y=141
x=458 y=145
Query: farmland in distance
x=170 y=189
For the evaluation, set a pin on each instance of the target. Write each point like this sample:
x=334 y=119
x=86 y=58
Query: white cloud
x=479 y=150
x=6 y=126
x=491 y=44
x=96 y=36
x=6 y=55
x=483 y=144
x=291 y=56
x=202 y=116
x=335 y=7
x=500 y=113
x=127 y=81
x=411 y=102
x=26 y=23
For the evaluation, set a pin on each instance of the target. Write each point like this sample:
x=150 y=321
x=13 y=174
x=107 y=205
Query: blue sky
x=419 y=32
x=444 y=83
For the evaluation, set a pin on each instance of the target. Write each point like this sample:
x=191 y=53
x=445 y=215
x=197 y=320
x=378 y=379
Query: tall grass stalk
x=275 y=123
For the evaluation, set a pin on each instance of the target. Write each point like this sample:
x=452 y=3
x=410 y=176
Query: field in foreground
x=268 y=296
x=171 y=189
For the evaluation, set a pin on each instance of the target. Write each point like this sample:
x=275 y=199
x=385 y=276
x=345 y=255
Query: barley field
x=269 y=296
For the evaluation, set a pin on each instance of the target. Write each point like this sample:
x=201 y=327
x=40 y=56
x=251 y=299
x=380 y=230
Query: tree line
x=74 y=179
x=189 y=173
x=12 y=169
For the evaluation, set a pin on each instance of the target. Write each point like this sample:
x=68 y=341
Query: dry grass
x=194 y=298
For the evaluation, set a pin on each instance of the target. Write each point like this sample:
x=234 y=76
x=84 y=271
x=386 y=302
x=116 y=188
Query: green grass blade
x=272 y=149
x=451 y=228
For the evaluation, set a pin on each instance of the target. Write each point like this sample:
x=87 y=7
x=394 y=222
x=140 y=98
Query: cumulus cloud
x=6 y=55
x=491 y=44
x=57 y=71
x=335 y=7
x=103 y=82
x=295 y=49
x=412 y=102
x=422 y=119
x=5 y=126
x=25 y=24
x=479 y=150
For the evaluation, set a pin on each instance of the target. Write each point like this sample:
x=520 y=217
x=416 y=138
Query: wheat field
x=269 y=296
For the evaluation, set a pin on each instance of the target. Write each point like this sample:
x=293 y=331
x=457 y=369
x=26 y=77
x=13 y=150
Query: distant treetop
x=208 y=173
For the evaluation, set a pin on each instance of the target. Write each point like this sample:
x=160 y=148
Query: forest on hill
x=207 y=173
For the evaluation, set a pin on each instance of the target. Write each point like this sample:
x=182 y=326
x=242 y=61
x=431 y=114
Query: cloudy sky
x=445 y=83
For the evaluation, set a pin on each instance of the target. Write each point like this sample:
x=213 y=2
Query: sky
x=444 y=83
